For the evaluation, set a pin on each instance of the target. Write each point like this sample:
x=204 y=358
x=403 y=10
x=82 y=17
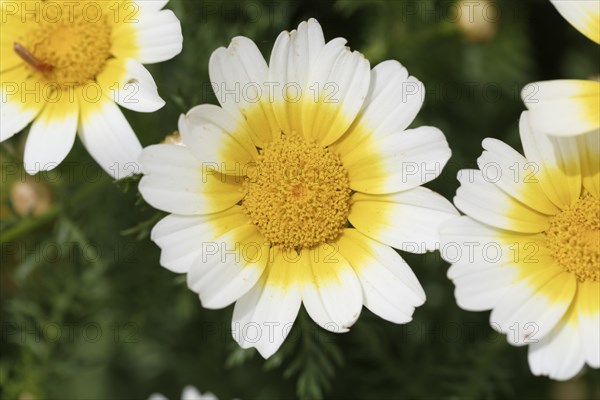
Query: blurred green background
x=88 y=313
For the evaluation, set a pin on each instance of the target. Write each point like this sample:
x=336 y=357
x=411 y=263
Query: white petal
x=584 y=15
x=406 y=220
x=108 y=137
x=176 y=181
x=512 y=173
x=238 y=74
x=130 y=85
x=392 y=103
x=589 y=155
x=397 y=162
x=390 y=288
x=559 y=354
x=467 y=241
x=481 y=287
x=482 y=200
x=158 y=37
x=292 y=58
x=214 y=137
x=14 y=118
x=229 y=265
x=157 y=396
x=483 y=261
x=557 y=160
x=564 y=107
x=191 y=393
x=52 y=135
x=178 y=236
x=588 y=311
x=533 y=306
x=264 y=316
x=150 y=6
x=331 y=292
x=338 y=84
x=21 y=101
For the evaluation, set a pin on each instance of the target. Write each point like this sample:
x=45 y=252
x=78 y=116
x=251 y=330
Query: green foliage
x=88 y=313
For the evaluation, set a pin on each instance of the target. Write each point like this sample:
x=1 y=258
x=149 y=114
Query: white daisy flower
x=189 y=393
x=529 y=247
x=568 y=107
x=263 y=193
x=64 y=65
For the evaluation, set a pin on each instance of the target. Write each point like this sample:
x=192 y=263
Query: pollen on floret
x=298 y=195
x=573 y=238
x=64 y=46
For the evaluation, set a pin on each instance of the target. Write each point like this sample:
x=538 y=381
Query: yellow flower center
x=67 y=43
x=574 y=238
x=298 y=195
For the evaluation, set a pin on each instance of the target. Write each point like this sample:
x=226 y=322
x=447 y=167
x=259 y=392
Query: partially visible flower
x=295 y=190
x=529 y=247
x=189 y=393
x=568 y=107
x=64 y=65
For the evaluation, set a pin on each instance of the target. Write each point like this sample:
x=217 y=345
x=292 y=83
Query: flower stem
x=30 y=224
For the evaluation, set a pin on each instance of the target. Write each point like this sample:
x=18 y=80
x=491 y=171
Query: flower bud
x=29 y=197
x=173 y=138
x=477 y=20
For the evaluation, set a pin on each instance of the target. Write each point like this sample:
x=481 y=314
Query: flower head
x=64 y=65
x=529 y=246
x=293 y=191
x=568 y=107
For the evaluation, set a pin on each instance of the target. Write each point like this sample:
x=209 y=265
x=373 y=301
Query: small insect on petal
x=31 y=59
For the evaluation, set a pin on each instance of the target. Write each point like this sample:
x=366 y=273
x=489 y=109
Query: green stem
x=29 y=224
x=32 y=223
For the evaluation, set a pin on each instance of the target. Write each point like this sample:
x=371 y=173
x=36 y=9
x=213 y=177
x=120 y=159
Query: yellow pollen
x=298 y=195
x=574 y=238
x=65 y=45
